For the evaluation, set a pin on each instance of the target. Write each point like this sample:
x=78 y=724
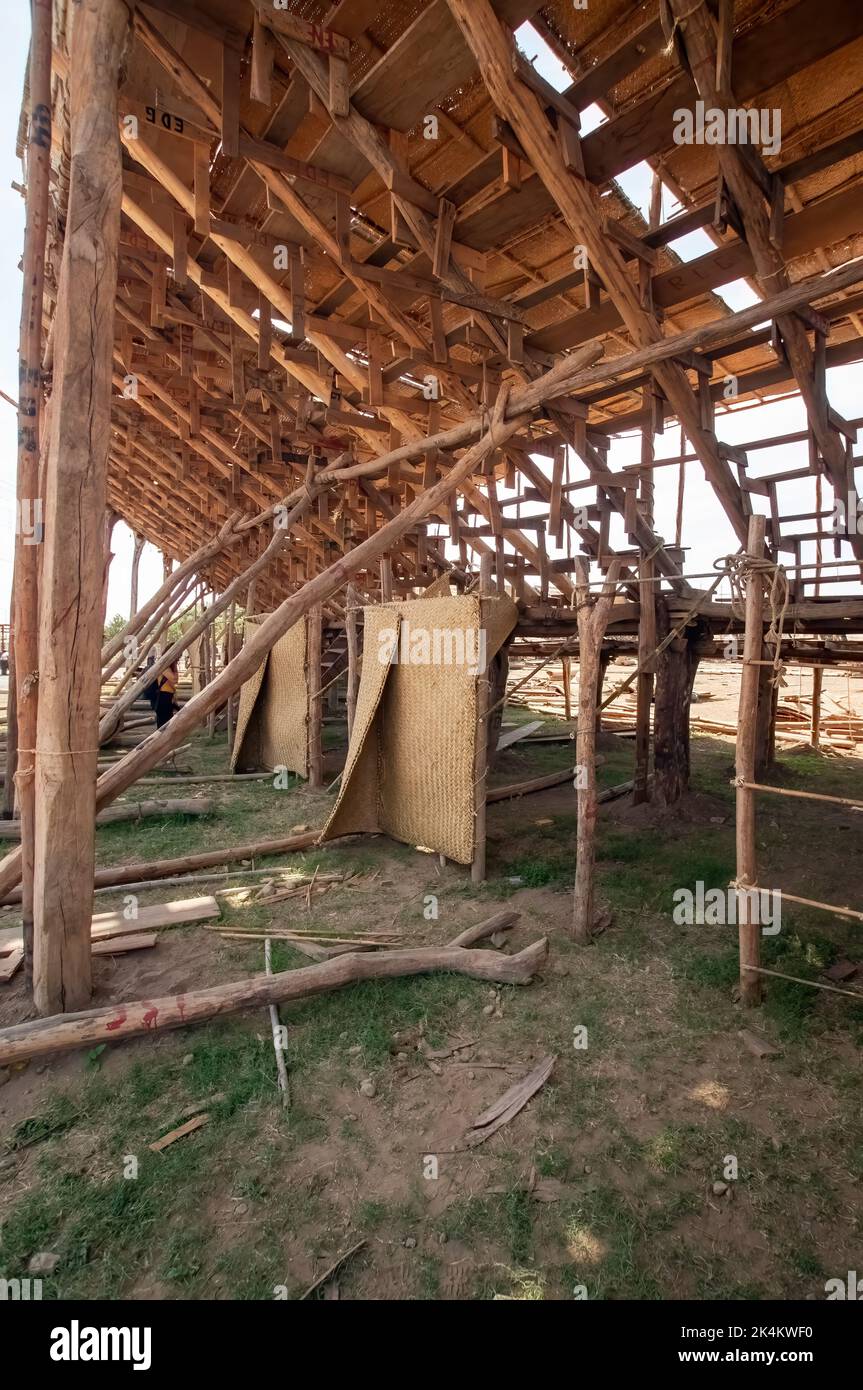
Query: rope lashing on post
x=740 y=568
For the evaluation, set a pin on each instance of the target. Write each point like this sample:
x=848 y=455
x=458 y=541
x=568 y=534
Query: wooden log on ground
x=72 y=560
x=136 y=810
x=140 y=1018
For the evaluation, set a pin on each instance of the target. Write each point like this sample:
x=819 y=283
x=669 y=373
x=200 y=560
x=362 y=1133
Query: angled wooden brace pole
x=112 y=720
x=578 y=201
x=317 y=590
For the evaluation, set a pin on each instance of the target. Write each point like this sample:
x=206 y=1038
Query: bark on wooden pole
x=749 y=932
x=70 y=624
x=314 y=628
x=143 y=1017
x=30 y=501
x=317 y=590
x=593 y=615
x=480 y=765
x=676 y=666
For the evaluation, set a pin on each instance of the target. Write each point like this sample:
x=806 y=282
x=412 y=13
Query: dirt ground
x=662 y=1159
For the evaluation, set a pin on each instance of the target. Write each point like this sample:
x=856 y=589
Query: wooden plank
x=202 y=191
x=340 y=92
x=443 y=238
x=263 y=49
x=168 y=122
x=11 y=964
x=316 y=36
x=262 y=152
x=512 y=736
x=188 y=1128
x=230 y=101
x=119 y=945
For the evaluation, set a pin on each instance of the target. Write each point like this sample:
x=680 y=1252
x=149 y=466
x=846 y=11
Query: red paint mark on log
x=116 y=1022
x=149 y=1019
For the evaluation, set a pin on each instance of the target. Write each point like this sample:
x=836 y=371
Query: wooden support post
x=749 y=932
x=644 y=684
x=566 y=665
x=137 y=548
x=480 y=762
x=815 y=726
x=593 y=615
x=352 y=633
x=675 y=674
x=70 y=627
x=23 y=673
x=386 y=579
x=314 y=625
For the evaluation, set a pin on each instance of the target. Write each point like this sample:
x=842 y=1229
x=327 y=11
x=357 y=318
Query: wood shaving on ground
x=510 y=1103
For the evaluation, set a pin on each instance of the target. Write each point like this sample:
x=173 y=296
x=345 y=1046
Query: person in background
x=151 y=691
x=4 y=663
x=165 y=702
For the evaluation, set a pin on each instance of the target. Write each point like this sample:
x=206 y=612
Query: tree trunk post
x=20 y=758
x=675 y=674
x=70 y=627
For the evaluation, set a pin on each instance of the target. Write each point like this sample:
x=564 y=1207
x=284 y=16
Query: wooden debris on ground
x=331 y=1270
x=113 y=934
x=180 y=1133
x=510 y=1103
x=756 y=1044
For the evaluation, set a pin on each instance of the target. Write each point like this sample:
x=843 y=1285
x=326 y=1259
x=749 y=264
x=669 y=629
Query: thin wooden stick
x=796 y=980
x=805 y=796
x=277 y=1032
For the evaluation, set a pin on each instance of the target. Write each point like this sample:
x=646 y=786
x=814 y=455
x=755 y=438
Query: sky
x=707 y=534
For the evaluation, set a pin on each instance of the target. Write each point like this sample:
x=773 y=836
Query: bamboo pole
x=70 y=625
x=480 y=765
x=747 y=858
x=28 y=534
